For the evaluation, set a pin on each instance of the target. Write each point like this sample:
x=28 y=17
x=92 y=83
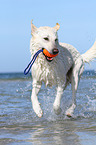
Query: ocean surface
x=19 y=125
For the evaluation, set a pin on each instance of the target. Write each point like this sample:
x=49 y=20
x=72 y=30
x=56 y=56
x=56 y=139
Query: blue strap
x=27 y=69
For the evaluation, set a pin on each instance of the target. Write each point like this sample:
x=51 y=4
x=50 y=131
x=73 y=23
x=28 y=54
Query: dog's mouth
x=49 y=56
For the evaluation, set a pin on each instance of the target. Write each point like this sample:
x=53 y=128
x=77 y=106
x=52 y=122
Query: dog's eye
x=56 y=40
x=46 y=38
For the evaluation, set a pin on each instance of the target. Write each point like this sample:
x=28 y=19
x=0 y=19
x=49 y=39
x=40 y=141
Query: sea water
x=19 y=125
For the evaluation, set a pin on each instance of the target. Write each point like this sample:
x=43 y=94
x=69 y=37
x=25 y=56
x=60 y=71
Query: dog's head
x=46 y=38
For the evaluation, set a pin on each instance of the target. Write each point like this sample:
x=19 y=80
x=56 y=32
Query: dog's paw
x=40 y=113
x=57 y=110
x=70 y=111
x=37 y=109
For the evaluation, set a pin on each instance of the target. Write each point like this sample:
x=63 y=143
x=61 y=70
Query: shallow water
x=20 y=126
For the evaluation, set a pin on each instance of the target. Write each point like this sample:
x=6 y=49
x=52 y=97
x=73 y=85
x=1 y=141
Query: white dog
x=61 y=70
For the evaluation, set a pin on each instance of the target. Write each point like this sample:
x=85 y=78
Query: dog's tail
x=90 y=55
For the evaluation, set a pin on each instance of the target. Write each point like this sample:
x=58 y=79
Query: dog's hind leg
x=34 y=99
x=56 y=105
x=75 y=77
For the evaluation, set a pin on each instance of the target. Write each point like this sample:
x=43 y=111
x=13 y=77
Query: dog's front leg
x=35 y=103
x=56 y=105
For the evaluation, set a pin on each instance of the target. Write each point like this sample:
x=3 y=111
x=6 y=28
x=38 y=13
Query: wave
x=21 y=76
x=89 y=73
x=14 y=76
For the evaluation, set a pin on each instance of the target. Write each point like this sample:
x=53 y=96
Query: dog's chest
x=51 y=74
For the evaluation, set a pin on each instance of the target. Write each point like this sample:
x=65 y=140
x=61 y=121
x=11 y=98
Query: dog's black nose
x=55 y=51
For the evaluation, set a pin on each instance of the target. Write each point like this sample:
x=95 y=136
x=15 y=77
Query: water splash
x=91 y=104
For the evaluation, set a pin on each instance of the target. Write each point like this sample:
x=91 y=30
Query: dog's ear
x=57 y=27
x=33 y=28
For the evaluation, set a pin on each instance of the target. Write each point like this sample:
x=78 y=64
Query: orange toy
x=46 y=53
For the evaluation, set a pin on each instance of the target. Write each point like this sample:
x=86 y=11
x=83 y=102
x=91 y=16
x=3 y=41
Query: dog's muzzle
x=49 y=56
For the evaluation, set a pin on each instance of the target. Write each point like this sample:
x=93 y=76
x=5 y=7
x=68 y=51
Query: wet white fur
x=65 y=68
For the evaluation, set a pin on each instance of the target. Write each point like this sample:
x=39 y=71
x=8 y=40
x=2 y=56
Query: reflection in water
x=62 y=133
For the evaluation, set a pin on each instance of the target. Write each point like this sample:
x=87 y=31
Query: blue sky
x=77 y=19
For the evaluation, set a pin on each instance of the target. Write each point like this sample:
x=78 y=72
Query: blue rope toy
x=27 y=69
